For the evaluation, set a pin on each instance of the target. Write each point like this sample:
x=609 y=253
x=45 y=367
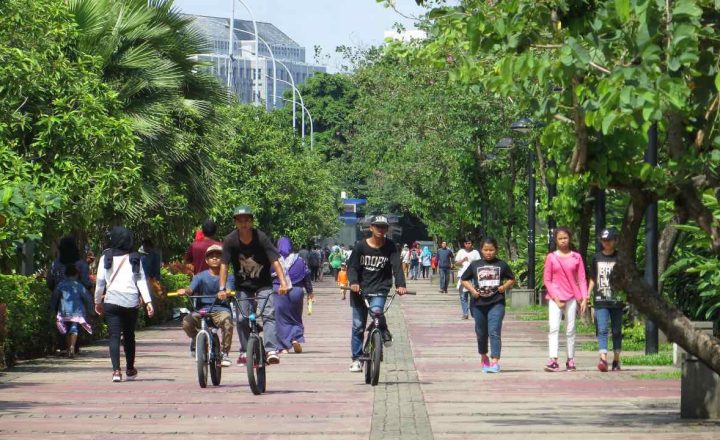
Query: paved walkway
x=430 y=387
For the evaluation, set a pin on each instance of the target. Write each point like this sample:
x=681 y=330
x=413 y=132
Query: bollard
x=522 y=297
x=700 y=390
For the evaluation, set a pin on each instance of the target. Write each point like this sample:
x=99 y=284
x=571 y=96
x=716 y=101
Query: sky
x=327 y=23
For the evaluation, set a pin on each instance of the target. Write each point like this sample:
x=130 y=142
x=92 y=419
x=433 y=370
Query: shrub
x=29 y=321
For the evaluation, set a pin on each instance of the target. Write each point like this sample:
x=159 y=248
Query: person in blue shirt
x=70 y=302
x=207 y=284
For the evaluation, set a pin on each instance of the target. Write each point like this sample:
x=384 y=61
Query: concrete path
x=430 y=387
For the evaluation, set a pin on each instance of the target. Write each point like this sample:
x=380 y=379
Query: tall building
x=246 y=75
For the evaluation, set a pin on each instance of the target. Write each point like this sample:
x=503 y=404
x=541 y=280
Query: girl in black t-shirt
x=487 y=280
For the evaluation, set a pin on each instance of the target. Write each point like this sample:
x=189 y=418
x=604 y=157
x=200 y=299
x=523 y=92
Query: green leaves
x=623 y=8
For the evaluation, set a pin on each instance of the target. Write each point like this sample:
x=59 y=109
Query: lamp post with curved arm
x=272 y=56
x=302 y=104
x=256 y=97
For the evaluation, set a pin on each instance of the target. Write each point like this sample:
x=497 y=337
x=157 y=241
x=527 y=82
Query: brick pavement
x=430 y=387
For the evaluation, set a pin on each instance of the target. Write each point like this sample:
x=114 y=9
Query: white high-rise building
x=244 y=69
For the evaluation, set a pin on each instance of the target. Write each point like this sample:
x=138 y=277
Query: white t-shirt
x=471 y=256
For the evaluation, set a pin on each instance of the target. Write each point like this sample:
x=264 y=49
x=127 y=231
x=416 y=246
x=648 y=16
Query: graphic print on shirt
x=248 y=267
x=373 y=263
x=604 y=269
x=488 y=280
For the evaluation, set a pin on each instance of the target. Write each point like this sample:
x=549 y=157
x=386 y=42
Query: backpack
x=413 y=255
x=314 y=259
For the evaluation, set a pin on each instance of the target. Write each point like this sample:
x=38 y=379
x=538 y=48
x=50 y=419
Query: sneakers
x=494 y=368
x=616 y=366
x=71 y=353
x=192 y=347
x=117 y=376
x=387 y=338
x=355 y=367
x=242 y=359
x=297 y=347
x=464 y=317
x=272 y=358
x=225 y=362
x=131 y=373
x=602 y=365
x=570 y=365
x=552 y=366
x=485 y=362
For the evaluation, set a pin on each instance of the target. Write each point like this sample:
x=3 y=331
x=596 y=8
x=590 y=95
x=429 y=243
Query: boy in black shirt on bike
x=373 y=263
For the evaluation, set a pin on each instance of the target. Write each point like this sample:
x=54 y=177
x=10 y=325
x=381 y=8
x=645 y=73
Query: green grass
x=663 y=358
x=530 y=313
x=626 y=346
x=671 y=375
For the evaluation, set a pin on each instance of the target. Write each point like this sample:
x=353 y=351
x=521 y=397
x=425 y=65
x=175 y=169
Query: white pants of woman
x=554 y=317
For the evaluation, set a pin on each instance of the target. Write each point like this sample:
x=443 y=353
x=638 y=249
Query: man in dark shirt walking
x=445 y=258
x=373 y=263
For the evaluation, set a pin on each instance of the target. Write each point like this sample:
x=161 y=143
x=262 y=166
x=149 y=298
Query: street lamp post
x=302 y=103
x=256 y=83
x=272 y=57
x=312 y=130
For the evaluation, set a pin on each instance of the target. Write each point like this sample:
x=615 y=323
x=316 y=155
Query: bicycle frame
x=252 y=316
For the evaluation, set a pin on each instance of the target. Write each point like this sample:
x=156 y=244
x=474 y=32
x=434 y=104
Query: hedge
x=27 y=327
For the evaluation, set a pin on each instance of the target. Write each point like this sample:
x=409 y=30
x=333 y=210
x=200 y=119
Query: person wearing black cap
x=251 y=254
x=608 y=307
x=373 y=264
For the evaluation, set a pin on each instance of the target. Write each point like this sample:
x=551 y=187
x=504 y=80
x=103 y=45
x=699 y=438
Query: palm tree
x=146 y=53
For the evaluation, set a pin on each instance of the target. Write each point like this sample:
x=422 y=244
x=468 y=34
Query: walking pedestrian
x=195 y=254
x=444 y=260
x=425 y=261
x=252 y=254
x=464 y=257
x=336 y=259
x=315 y=262
x=488 y=280
x=608 y=307
x=405 y=259
x=414 y=261
x=68 y=253
x=120 y=279
x=70 y=302
x=566 y=284
x=433 y=264
x=289 y=308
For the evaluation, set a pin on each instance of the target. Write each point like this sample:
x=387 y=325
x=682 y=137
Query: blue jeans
x=359 y=320
x=488 y=322
x=603 y=317
x=444 y=278
x=464 y=301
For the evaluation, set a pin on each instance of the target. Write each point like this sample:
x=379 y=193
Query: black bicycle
x=255 y=349
x=208 y=355
x=372 y=354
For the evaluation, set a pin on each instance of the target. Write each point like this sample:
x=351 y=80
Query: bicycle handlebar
x=407 y=292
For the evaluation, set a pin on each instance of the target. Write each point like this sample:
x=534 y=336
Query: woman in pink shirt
x=566 y=285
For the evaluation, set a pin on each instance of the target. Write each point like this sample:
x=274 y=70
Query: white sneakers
x=355 y=367
x=225 y=362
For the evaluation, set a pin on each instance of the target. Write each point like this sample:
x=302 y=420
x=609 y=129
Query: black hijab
x=68 y=250
x=121 y=243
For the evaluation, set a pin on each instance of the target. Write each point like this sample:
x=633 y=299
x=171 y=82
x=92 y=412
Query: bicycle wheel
x=376 y=356
x=215 y=360
x=255 y=365
x=201 y=347
x=368 y=362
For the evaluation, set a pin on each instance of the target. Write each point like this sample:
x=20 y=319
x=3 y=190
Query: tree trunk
x=584 y=233
x=669 y=319
x=666 y=245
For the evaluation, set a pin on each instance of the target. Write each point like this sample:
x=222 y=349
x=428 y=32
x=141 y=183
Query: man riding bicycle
x=252 y=253
x=371 y=267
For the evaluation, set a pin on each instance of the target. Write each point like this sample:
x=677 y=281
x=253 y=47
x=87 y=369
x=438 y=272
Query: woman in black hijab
x=120 y=279
x=68 y=254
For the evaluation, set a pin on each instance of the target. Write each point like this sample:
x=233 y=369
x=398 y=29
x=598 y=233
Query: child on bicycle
x=343 y=280
x=488 y=280
x=207 y=284
x=371 y=268
x=70 y=302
